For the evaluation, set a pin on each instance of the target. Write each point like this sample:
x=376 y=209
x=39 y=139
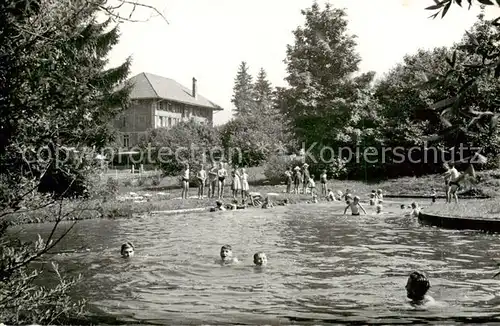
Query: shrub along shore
x=166 y=196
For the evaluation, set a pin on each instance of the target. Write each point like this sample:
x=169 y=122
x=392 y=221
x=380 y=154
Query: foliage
x=276 y=165
x=58 y=92
x=21 y=301
x=187 y=141
x=251 y=139
x=263 y=93
x=243 y=93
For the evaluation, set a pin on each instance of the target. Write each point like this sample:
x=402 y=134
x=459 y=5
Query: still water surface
x=322 y=267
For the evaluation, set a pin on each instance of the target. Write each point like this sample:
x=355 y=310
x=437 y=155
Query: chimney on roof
x=194 y=90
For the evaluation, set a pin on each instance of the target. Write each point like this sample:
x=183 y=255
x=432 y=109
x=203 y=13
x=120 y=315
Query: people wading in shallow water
x=185 y=181
x=221 y=175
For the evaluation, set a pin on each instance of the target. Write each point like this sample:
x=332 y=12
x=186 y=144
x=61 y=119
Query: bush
x=188 y=141
x=276 y=166
x=155 y=181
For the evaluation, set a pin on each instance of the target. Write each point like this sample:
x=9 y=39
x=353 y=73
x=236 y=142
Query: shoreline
x=169 y=201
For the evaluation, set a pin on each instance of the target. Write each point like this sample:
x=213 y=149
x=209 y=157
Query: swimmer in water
x=379 y=207
x=416 y=289
x=415 y=210
x=127 y=250
x=354 y=206
x=226 y=255
x=260 y=259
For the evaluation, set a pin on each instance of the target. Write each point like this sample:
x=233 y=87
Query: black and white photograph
x=236 y=162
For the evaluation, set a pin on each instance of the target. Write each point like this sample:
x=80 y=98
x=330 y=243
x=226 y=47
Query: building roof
x=146 y=85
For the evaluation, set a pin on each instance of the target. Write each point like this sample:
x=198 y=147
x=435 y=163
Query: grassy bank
x=165 y=196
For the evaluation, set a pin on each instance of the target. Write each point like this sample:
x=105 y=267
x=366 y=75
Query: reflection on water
x=322 y=266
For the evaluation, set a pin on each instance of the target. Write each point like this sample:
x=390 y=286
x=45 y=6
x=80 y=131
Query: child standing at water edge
x=296 y=180
x=236 y=183
x=289 y=179
x=305 y=177
x=433 y=195
x=212 y=181
x=221 y=175
x=354 y=206
x=244 y=184
x=185 y=181
x=201 y=176
x=311 y=185
x=323 y=179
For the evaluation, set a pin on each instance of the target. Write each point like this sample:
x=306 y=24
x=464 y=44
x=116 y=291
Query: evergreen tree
x=263 y=94
x=243 y=97
x=59 y=93
x=325 y=103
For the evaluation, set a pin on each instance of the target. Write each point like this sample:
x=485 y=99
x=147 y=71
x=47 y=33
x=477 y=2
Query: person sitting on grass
x=330 y=196
x=416 y=289
x=354 y=206
x=127 y=250
x=226 y=255
x=283 y=202
x=219 y=206
x=314 y=200
x=267 y=203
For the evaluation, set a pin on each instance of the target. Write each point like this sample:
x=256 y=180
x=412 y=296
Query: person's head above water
x=355 y=199
x=260 y=259
x=414 y=205
x=403 y=206
x=218 y=203
x=127 y=250
x=379 y=191
x=226 y=252
x=417 y=286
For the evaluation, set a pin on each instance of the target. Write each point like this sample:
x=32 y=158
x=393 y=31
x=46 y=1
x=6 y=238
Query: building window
x=126 y=141
x=169 y=121
x=157 y=121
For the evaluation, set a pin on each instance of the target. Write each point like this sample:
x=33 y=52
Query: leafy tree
x=186 y=142
x=243 y=96
x=326 y=105
x=263 y=94
x=54 y=92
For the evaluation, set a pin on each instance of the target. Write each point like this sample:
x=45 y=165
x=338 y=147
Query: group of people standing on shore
x=215 y=178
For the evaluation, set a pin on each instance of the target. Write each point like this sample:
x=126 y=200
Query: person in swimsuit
x=454 y=180
x=296 y=180
x=289 y=180
x=127 y=250
x=323 y=179
x=305 y=177
x=185 y=181
x=212 y=181
x=354 y=206
x=201 y=176
x=416 y=289
x=260 y=259
x=221 y=175
x=244 y=184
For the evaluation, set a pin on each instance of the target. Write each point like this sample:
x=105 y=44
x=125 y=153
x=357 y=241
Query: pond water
x=322 y=267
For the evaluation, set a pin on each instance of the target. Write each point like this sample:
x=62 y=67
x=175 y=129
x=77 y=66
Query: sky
x=208 y=39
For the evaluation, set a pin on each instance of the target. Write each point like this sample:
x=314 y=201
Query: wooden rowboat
x=460 y=223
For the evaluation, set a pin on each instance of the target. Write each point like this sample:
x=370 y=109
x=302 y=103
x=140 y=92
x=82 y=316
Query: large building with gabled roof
x=159 y=102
